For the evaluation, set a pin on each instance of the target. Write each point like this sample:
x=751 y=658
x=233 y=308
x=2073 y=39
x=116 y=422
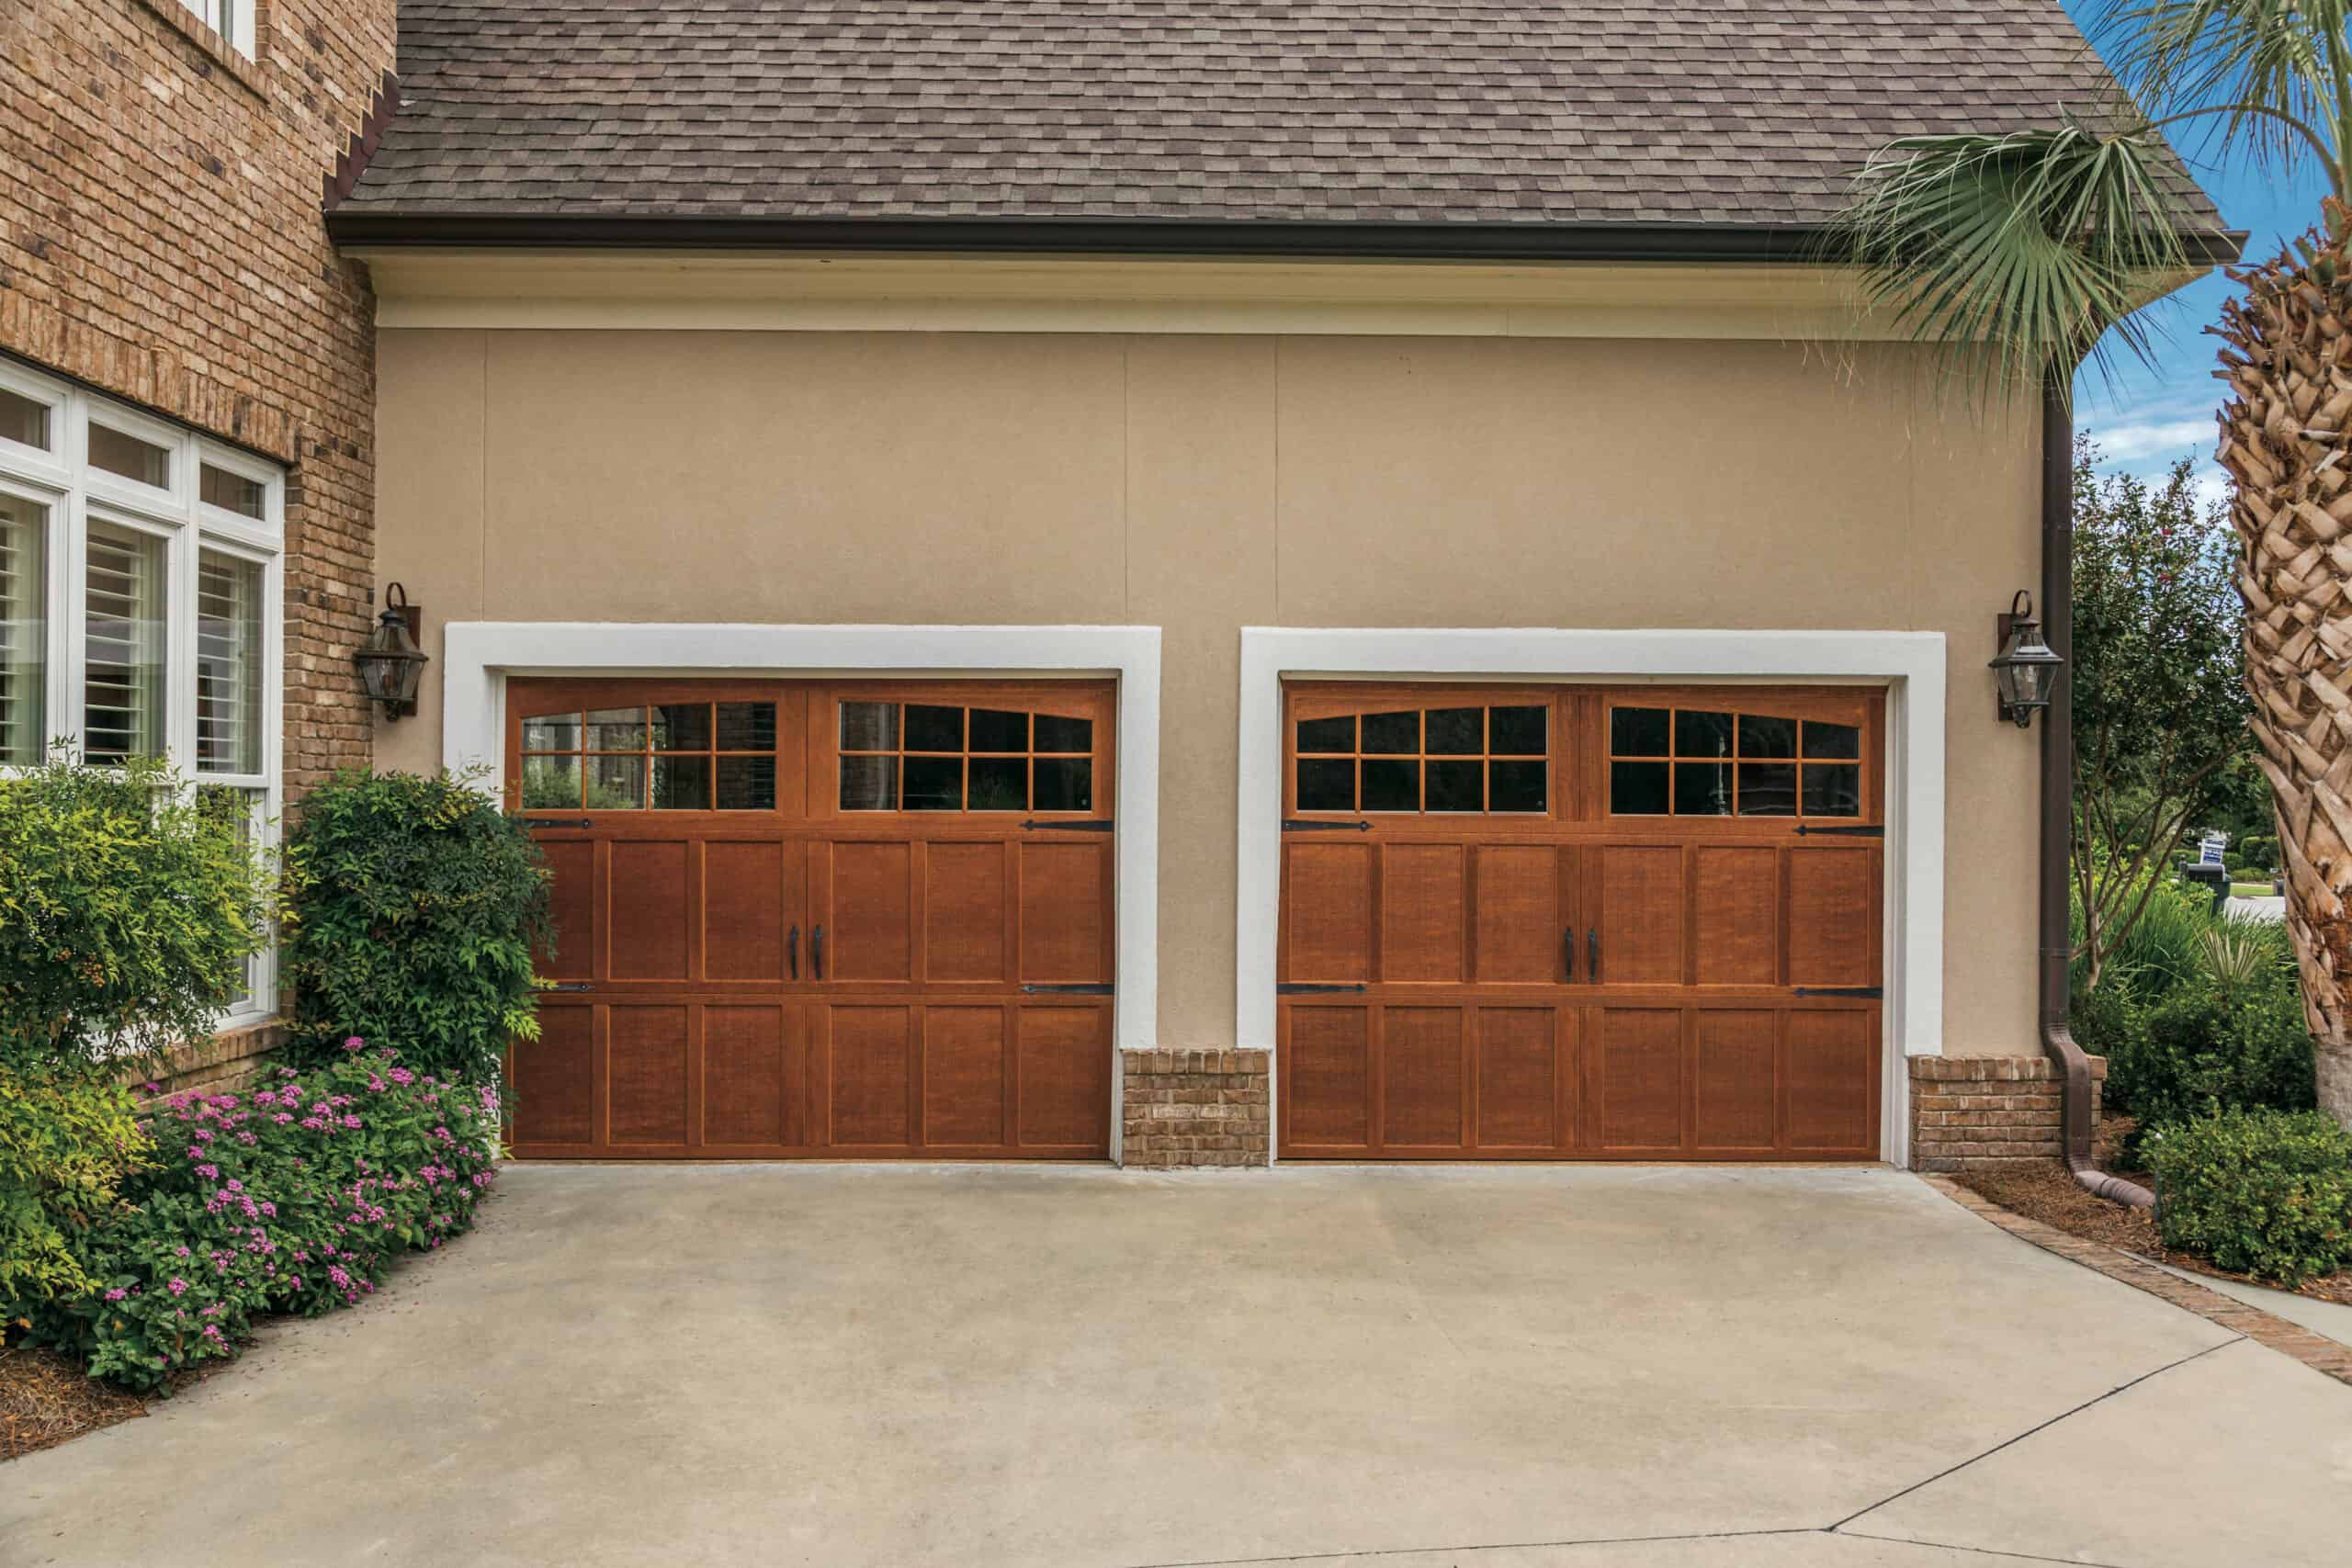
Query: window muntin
x=112 y=635
x=1446 y=759
x=911 y=756
x=24 y=630
x=656 y=757
x=1710 y=762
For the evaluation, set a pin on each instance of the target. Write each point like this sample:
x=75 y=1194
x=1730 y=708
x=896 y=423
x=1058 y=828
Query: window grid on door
x=662 y=756
x=1445 y=758
x=1689 y=762
x=938 y=757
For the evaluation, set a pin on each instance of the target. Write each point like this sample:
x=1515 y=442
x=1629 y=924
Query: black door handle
x=1569 y=952
x=816 y=951
x=792 y=950
x=1592 y=958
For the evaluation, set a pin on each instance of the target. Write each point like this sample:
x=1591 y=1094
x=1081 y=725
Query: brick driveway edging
x=2314 y=1350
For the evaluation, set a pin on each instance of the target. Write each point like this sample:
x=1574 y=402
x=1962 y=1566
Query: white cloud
x=2212 y=487
x=2154 y=438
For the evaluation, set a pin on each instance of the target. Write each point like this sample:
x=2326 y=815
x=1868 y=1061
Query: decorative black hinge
x=1304 y=989
x=1873 y=992
x=1805 y=828
x=1303 y=825
x=1088 y=988
x=556 y=822
x=1096 y=825
x=572 y=986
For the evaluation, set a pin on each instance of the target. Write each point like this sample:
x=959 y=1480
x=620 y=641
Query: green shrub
x=415 y=906
x=294 y=1198
x=2259 y=850
x=68 y=1137
x=2264 y=1193
x=2209 y=1045
x=127 y=906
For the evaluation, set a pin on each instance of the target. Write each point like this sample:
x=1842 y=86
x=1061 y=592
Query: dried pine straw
x=45 y=1400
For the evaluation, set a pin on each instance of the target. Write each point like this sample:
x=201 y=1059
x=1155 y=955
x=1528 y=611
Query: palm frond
x=2274 y=77
x=2021 y=252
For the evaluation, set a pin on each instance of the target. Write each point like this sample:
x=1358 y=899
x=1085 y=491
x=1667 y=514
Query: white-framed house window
x=232 y=19
x=141 y=595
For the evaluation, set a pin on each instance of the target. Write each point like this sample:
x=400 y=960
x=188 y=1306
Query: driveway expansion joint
x=2290 y=1339
x=1991 y=1551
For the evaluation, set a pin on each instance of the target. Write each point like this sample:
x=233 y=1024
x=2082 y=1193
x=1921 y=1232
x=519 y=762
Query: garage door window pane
x=682 y=726
x=1638 y=732
x=934 y=728
x=1702 y=789
x=1065 y=783
x=1327 y=784
x=1767 y=789
x=1699 y=734
x=1055 y=734
x=1327 y=735
x=869 y=727
x=1763 y=736
x=1453 y=786
x=1391 y=786
x=994 y=729
x=1456 y=732
x=747 y=727
x=1516 y=786
x=550 y=781
x=1637 y=789
x=615 y=783
x=869 y=783
x=1516 y=732
x=746 y=783
x=1833 y=791
x=553 y=732
x=682 y=784
x=1000 y=783
x=616 y=729
x=933 y=783
x=1391 y=733
x=1832 y=740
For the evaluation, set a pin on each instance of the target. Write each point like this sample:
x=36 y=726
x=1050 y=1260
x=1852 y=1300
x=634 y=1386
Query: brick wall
x=1975 y=1114
x=222 y=1065
x=1186 y=1108
x=160 y=238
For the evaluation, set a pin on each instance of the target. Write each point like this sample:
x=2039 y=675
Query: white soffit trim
x=479 y=655
x=735 y=292
x=1910 y=664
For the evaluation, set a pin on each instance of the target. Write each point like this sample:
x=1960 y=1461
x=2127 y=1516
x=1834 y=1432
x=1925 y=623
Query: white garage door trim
x=479 y=655
x=1911 y=664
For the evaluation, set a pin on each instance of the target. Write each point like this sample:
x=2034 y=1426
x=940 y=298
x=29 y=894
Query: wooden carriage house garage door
x=819 y=919
x=1581 y=924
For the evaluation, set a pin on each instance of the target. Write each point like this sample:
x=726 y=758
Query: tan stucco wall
x=1205 y=483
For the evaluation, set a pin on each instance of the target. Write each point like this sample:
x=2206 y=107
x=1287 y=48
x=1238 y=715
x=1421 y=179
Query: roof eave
x=1434 y=240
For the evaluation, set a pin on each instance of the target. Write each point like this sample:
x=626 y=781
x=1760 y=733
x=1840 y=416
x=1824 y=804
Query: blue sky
x=2149 y=418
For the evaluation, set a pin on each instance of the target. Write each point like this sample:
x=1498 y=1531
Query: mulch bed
x=2048 y=1193
x=45 y=1400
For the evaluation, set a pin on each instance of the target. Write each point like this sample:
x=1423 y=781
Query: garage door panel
x=1522 y=912
x=1736 y=1081
x=869 y=1076
x=554 y=1077
x=645 y=1102
x=1065 y=913
x=872 y=913
x=1642 y=903
x=963 y=899
x=572 y=903
x=743 y=919
x=1640 y=1060
x=1423 y=1076
x=648 y=907
x=1327 y=1076
x=1065 y=1077
x=751 y=1075
x=1421 y=900
x=1833 y=915
x=963 y=1074
x=1833 y=1081
x=1519 y=1086
x=1738 y=907
x=1327 y=912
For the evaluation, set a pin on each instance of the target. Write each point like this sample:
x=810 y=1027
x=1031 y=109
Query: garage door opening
x=828 y=920
x=1580 y=922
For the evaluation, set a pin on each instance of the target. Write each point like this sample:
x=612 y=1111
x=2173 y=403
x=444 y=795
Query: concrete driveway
x=1076 y=1367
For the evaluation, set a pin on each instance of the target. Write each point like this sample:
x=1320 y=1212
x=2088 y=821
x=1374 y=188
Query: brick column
x=1189 y=1109
x=1987 y=1112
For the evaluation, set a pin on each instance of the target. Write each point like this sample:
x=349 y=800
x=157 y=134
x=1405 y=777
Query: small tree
x=2160 y=705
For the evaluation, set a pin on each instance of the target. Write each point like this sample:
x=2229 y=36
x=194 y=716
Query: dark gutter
x=2055 y=927
x=1435 y=240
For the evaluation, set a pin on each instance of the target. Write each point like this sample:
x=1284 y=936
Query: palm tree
x=2023 y=252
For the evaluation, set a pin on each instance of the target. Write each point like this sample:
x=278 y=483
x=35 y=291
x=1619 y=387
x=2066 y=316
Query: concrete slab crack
x=1977 y=1551
x=2042 y=1426
x=1479 y=1546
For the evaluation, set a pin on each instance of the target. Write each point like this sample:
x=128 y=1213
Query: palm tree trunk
x=2287 y=440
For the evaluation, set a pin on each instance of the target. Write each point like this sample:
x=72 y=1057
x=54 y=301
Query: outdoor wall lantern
x=2025 y=670
x=390 y=662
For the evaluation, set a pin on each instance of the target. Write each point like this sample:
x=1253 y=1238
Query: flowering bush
x=295 y=1195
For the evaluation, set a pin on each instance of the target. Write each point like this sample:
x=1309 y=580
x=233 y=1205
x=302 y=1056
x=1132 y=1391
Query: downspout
x=2057 y=800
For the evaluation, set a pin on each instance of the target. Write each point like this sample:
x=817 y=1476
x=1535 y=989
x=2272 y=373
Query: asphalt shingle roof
x=1685 y=112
